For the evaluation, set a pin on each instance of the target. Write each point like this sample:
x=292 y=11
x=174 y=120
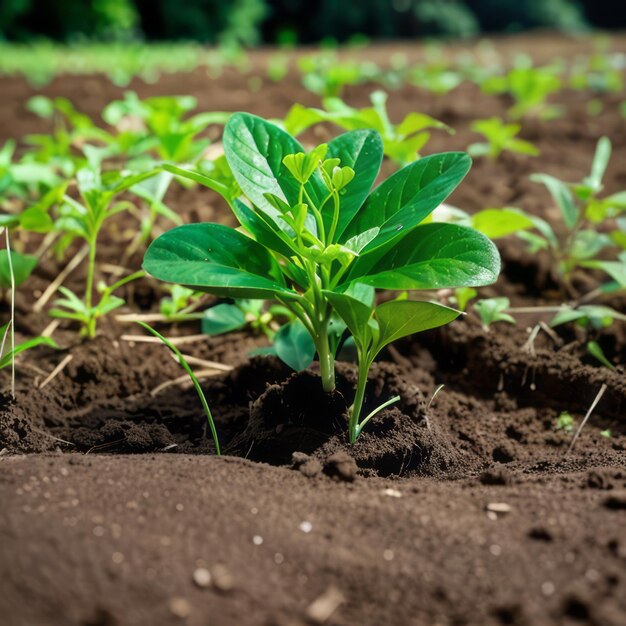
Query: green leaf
x=600 y=163
x=294 y=345
x=432 y=256
x=355 y=313
x=402 y=201
x=255 y=150
x=222 y=318
x=23 y=266
x=562 y=196
x=594 y=349
x=400 y=318
x=495 y=223
x=198 y=177
x=27 y=345
x=216 y=259
x=615 y=269
x=362 y=150
x=491 y=310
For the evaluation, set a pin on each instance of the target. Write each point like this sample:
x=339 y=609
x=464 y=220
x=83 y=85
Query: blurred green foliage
x=253 y=21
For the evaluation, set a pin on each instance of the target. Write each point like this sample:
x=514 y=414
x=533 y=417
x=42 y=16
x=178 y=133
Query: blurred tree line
x=250 y=22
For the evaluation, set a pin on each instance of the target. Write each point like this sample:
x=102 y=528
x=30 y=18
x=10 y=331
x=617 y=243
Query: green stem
x=359 y=396
x=90 y=325
x=327 y=362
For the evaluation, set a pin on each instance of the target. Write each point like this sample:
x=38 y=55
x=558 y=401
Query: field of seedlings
x=319 y=336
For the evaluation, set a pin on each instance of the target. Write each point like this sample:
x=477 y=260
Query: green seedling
x=500 y=137
x=326 y=75
x=98 y=192
x=194 y=380
x=254 y=314
x=25 y=178
x=161 y=125
x=593 y=318
x=530 y=88
x=401 y=142
x=319 y=243
x=607 y=434
x=579 y=241
x=62 y=148
x=565 y=422
x=8 y=357
x=491 y=310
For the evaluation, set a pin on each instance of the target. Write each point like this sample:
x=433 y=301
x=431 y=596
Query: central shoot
x=314 y=237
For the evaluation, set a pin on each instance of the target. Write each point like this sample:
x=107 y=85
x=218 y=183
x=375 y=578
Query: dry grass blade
x=57 y=370
x=194 y=360
x=589 y=412
x=177 y=341
x=183 y=380
x=58 y=281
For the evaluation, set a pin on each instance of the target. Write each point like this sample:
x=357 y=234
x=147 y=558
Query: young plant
x=319 y=243
x=326 y=75
x=491 y=310
x=592 y=318
x=500 y=137
x=401 y=142
x=530 y=88
x=161 y=125
x=255 y=314
x=579 y=242
x=85 y=219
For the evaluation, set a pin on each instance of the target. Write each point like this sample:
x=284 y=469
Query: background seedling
x=85 y=220
x=500 y=137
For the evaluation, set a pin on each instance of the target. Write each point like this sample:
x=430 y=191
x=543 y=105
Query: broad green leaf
x=562 y=196
x=362 y=150
x=431 y=256
x=255 y=150
x=402 y=201
x=494 y=223
x=352 y=311
x=294 y=345
x=222 y=318
x=23 y=265
x=400 y=318
x=216 y=259
x=264 y=229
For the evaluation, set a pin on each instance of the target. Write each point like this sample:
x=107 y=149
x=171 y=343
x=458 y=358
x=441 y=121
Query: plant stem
x=12 y=275
x=357 y=405
x=90 y=326
x=327 y=362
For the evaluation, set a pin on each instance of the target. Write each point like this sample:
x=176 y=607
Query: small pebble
x=222 y=579
x=117 y=557
x=202 y=577
x=179 y=607
x=306 y=527
x=548 y=588
x=388 y=555
x=392 y=493
x=257 y=540
x=499 y=507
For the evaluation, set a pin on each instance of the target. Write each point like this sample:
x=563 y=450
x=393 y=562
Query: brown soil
x=466 y=510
